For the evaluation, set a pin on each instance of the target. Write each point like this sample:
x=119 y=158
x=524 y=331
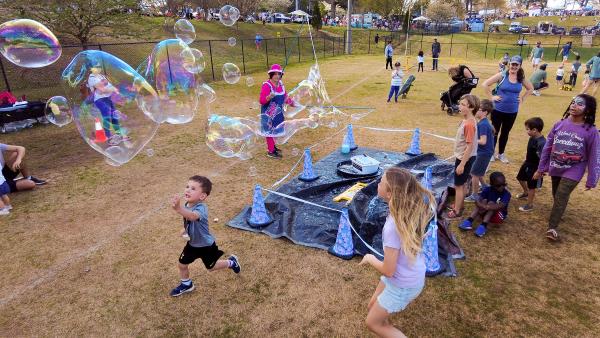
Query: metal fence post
x=451 y=43
x=323 y=46
x=285 y=51
x=243 y=57
x=421 y=40
x=212 y=68
x=467 y=52
x=298 y=48
x=521 y=43
x=486 y=45
x=496 y=47
x=333 y=47
x=4 y=75
x=345 y=32
x=369 y=50
x=557 y=47
x=267 y=52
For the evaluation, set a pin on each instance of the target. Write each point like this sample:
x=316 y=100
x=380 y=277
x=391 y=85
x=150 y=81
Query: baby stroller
x=406 y=86
x=463 y=85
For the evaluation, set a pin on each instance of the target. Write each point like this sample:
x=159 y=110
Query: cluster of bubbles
x=28 y=43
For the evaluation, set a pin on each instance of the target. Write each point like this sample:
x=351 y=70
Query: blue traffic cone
x=349 y=139
x=430 y=250
x=344 y=246
x=259 y=216
x=415 y=144
x=308 y=174
x=426 y=181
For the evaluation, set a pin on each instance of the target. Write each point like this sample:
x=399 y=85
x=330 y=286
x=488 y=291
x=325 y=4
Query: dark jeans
x=388 y=60
x=394 y=90
x=503 y=123
x=420 y=67
x=435 y=62
x=573 y=79
x=561 y=191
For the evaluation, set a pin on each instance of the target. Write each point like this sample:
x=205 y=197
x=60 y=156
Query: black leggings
x=503 y=123
x=388 y=60
x=420 y=67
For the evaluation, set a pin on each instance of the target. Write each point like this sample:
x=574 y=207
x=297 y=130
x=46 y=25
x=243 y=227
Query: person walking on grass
x=403 y=268
x=201 y=244
x=572 y=146
x=537 y=54
x=436 y=50
x=389 y=53
x=465 y=150
x=506 y=97
x=593 y=66
x=535 y=146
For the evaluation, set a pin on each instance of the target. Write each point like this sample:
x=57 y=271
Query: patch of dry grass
x=94 y=252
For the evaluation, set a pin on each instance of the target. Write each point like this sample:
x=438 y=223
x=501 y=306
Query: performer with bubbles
x=272 y=98
x=102 y=91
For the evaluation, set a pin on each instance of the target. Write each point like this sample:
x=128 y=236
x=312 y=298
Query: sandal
x=552 y=234
x=453 y=214
x=522 y=196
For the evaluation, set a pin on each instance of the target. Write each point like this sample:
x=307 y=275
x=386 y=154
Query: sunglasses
x=579 y=101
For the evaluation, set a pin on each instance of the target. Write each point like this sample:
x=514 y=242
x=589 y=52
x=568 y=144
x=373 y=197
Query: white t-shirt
x=96 y=79
x=420 y=59
x=397 y=76
x=560 y=72
x=407 y=274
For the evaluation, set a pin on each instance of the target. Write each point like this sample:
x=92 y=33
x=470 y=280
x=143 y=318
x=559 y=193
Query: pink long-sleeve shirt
x=265 y=90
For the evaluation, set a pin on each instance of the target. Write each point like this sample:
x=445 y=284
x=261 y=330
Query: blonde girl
x=403 y=266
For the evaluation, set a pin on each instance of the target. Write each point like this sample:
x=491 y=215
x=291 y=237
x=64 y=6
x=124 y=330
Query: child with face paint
x=572 y=146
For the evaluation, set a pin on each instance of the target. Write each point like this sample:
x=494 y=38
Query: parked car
x=300 y=19
x=525 y=29
x=515 y=27
x=575 y=31
x=279 y=17
x=558 y=30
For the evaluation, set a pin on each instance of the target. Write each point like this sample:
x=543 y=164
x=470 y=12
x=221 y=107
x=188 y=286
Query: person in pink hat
x=272 y=98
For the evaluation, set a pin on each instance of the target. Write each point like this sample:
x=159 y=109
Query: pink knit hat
x=275 y=68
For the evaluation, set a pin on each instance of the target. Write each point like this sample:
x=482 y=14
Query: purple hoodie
x=569 y=149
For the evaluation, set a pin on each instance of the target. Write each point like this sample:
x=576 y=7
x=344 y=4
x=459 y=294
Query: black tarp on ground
x=316 y=227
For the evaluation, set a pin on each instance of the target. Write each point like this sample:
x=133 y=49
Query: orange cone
x=100 y=134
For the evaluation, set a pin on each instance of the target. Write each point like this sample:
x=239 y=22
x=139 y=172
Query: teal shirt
x=595 y=63
x=537 y=52
x=537 y=77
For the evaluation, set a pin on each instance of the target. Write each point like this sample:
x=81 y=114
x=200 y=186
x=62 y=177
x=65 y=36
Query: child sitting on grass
x=201 y=244
x=5 y=206
x=492 y=205
x=485 y=149
x=535 y=146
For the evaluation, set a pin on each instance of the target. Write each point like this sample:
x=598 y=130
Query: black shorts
x=541 y=85
x=526 y=174
x=209 y=254
x=462 y=179
x=10 y=176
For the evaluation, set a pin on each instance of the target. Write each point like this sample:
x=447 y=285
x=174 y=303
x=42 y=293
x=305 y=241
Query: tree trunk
x=333 y=5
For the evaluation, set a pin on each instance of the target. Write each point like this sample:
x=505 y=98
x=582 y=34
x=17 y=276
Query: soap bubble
x=28 y=43
x=198 y=64
x=149 y=152
x=185 y=31
x=249 y=81
x=252 y=171
x=58 y=111
x=231 y=73
x=231 y=136
x=295 y=152
x=165 y=69
x=231 y=41
x=205 y=91
x=114 y=119
x=228 y=15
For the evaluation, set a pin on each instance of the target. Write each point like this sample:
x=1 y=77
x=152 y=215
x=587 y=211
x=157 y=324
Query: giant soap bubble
x=58 y=111
x=231 y=41
x=185 y=31
x=231 y=73
x=231 y=136
x=165 y=69
x=228 y=15
x=28 y=43
x=111 y=104
x=198 y=64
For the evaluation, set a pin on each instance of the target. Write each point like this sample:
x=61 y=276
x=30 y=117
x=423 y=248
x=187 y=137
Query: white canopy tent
x=421 y=18
x=497 y=23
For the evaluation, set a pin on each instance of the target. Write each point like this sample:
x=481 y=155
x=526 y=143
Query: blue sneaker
x=480 y=231
x=236 y=267
x=466 y=225
x=181 y=289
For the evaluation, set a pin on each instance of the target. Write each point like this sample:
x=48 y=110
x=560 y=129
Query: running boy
x=492 y=205
x=535 y=146
x=465 y=151
x=201 y=244
x=485 y=149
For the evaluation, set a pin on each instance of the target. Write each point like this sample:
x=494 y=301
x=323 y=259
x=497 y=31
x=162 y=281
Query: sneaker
x=4 y=211
x=278 y=150
x=526 y=208
x=8 y=207
x=471 y=198
x=503 y=158
x=274 y=154
x=466 y=225
x=536 y=93
x=181 y=289
x=36 y=180
x=480 y=231
x=114 y=140
x=236 y=267
x=186 y=237
x=493 y=159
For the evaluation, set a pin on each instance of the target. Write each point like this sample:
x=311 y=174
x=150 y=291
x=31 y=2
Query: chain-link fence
x=42 y=83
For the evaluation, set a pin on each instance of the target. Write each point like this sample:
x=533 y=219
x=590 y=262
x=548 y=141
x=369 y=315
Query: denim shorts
x=4 y=188
x=395 y=299
x=480 y=165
